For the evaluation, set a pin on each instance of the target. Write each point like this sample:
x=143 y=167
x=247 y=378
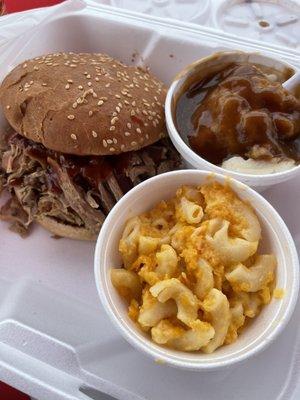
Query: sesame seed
x=127 y=133
x=88 y=76
x=71 y=116
x=7 y=107
x=100 y=102
x=85 y=73
x=89 y=83
x=128 y=125
x=118 y=109
x=80 y=87
x=114 y=120
x=133 y=103
x=44 y=84
x=73 y=136
x=117 y=96
x=109 y=141
x=132 y=113
x=95 y=94
x=114 y=114
x=79 y=101
x=124 y=92
x=104 y=143
x=147 y=136
x=126 y=102
x=133 y=143
x=111 y=149
x=90 y=113
x=97 y=79
x=74 y=105
x=112 y=128
x=120 y=105
x=24 y=65
x=26 y=90
x=70 y=80
x=107 y=85
x=67 y=86
x=73 y=65
x=122 y=146
x=138 y=130
x=36 y=68
x=144 y=112
x=115 y=140
x=94 y=134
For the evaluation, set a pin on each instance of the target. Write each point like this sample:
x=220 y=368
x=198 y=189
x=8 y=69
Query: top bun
x=84 y=104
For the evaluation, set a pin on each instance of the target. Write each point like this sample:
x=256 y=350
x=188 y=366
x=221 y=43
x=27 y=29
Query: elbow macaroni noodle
x=192 y=275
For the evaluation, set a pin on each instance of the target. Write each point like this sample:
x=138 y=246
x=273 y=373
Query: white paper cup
x=202 y=67
x=276 y=239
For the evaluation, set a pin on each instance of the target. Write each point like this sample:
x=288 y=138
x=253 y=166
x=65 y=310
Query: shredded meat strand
x=44 y=183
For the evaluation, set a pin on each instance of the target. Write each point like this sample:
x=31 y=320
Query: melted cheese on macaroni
x=192 y=275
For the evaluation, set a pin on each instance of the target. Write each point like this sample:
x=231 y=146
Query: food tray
x=272 y=21
x=54 y=335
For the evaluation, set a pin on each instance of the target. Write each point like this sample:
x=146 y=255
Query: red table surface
x=21 y=5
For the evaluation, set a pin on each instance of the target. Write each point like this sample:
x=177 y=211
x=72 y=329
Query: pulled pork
x=77 y=191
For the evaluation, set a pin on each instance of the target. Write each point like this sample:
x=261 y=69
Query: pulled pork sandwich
x=85 y=129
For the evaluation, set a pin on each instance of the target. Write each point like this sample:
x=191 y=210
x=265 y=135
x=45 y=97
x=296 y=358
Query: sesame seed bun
x=84 y=104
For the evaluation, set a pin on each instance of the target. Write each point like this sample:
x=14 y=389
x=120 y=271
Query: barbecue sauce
x=236 y=112
x=87 y=171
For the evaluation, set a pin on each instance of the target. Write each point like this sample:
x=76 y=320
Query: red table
x=17 y=5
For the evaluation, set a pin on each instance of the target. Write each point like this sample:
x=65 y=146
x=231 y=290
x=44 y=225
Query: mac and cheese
x=192 y=275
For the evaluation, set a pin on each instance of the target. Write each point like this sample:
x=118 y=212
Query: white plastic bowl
x=192 y=159
x=276 y=239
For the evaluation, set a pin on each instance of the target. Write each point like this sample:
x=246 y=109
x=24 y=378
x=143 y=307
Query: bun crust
x=84 y=104
x=64 y=230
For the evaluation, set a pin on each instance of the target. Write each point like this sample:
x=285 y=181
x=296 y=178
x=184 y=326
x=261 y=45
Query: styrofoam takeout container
x=53 y=336
x=276 y=239
x=200 y=69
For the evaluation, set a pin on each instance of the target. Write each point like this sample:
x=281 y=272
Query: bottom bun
x=63 y=230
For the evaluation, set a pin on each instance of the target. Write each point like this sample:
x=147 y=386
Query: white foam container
x=54 y=336
x=276 y=240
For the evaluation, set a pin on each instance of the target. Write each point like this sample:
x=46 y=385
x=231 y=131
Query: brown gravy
x=238 y=111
